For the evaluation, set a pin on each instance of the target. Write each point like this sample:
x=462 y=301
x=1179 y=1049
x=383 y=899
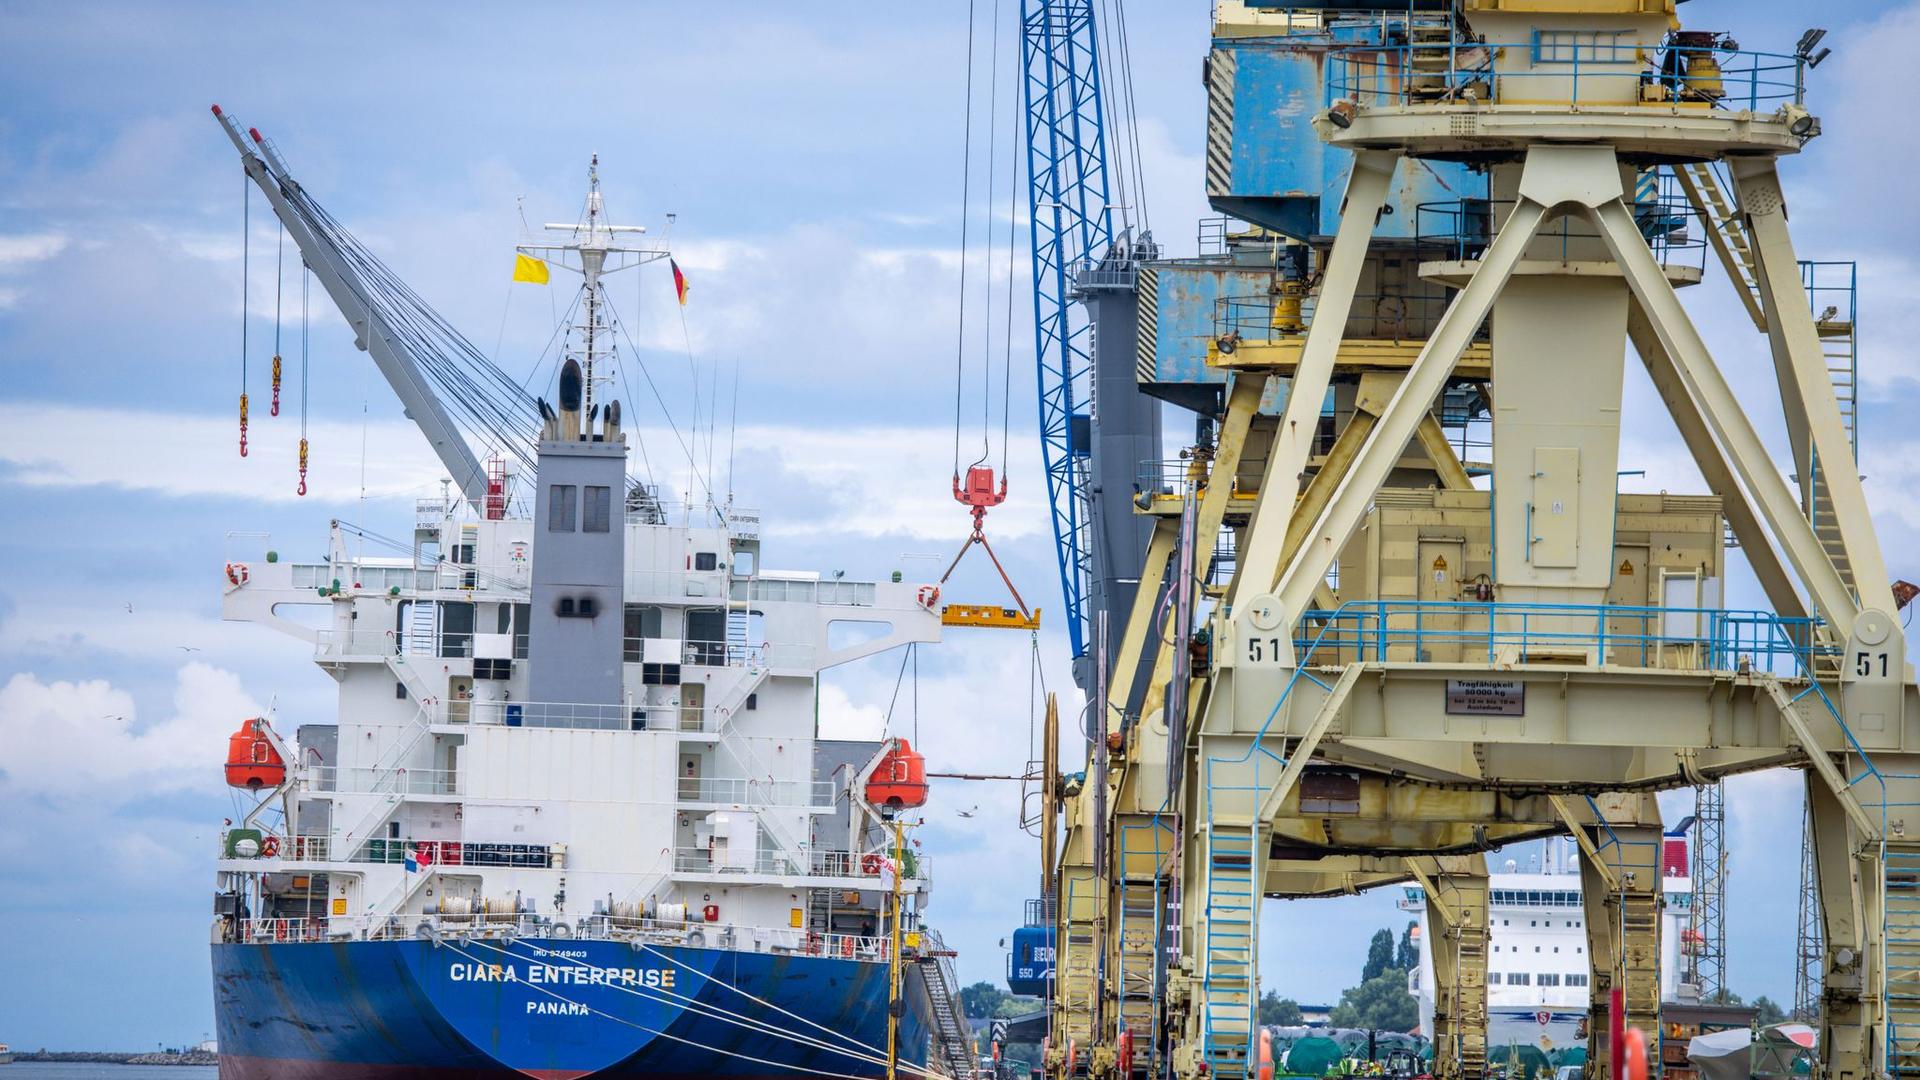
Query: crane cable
x=246 y=251
x=966 y=211
x=306 y=279
x=279 y=283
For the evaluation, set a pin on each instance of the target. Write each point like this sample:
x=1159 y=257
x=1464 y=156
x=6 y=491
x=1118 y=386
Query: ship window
x=642 y=621
x=1548 y=978
x=400 y=691
x=560 y=501
x=1556 y=948
x=456 y=629
x=753 y=702
x=1576 y=980
x=1536 y=948
x=1517 y=978
x=706 y=560
x=660 y=674
x=565 y=610
x=596 y=509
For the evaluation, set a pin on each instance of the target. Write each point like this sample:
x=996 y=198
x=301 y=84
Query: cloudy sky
x=813 y=162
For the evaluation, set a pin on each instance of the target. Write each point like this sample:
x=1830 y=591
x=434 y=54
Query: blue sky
x=813 y=160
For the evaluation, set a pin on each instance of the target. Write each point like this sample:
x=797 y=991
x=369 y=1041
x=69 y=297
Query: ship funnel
x=570 y=385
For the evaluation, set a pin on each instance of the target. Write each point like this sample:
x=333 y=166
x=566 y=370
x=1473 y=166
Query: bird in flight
x=970 y=811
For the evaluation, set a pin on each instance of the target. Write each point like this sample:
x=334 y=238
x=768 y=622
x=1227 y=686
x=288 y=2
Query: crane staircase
x=1227 y=1001
x=953 y=1053
x=1901 y=908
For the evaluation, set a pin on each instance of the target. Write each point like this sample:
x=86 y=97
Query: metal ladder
x=1227 y=994
x=1900 y=898
x=423 y=628
x=1834 y=305
x=952 y=1034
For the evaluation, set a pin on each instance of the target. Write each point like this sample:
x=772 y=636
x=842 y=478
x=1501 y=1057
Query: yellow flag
x=528 y=268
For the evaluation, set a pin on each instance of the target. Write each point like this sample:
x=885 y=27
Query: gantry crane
x=1428 y=642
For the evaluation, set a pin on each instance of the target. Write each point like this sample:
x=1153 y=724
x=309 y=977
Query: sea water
x=86 y=1070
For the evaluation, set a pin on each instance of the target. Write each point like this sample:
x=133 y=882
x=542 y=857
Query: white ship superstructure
x=1537 y=967
x=573 y=707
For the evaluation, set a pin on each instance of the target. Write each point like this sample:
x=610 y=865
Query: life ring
x=237 y=574
x=928 y=596
x=846 y=947
x=696 y=940
x=270 y=847
x=813 y=943
x=279 y=929
x=870 y=864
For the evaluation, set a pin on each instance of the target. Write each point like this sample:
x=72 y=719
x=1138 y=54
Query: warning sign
x=1486 y=697
x=1626 y=568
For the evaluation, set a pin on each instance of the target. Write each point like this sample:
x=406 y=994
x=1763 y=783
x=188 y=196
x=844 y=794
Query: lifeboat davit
x=252 y=762
x=899 y=782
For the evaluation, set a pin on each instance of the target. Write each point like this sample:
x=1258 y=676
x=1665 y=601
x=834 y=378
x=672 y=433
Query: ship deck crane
x=450 y=390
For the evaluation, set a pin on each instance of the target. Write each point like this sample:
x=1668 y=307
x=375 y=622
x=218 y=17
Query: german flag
x=679 y=282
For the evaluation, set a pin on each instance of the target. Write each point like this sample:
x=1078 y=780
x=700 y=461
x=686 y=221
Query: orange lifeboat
x=252 y=762
x=899 y=782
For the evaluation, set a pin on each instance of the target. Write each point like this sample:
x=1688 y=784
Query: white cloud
x=867 y=480
x=124 y=450
x=21 y=250
x=84 y=739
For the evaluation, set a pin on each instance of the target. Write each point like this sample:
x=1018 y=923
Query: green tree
x=1278 y=1011
x=1380 y=1003
x=1379 y=955
x=981 y=999
x=1767 y=1011
x=1409 y=955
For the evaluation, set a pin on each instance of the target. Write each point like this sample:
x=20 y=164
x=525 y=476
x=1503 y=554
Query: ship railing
x=1468 y=632
x=806 y=591
x=1567 y=67
x=872 y=865
x=331 y=644
x=394 y=850
x=746 y=791
x=695 y=652
x=370 y=781
x=675 y=586
x=870 y=948
x=568 y=714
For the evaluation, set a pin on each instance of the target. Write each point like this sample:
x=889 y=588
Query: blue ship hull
x=555 y=1009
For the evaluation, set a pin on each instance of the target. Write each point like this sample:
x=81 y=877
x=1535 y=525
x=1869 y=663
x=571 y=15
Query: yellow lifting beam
x=991 y=616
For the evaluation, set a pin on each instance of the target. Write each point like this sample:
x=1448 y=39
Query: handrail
x=1608 y=74
x=1671 y=638
x=509 y=925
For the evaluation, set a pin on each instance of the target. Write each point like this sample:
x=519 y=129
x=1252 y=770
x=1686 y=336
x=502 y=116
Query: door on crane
x=1630 y=633
x=1438 y=567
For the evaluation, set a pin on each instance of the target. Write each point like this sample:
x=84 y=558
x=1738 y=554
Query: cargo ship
x=574 y=816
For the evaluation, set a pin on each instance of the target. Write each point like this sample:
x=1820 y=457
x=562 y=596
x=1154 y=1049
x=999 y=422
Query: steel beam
x=1740 y=513
x=1809 y=389
x=1694 y=368
x=1293 y=442
x=1401 y=419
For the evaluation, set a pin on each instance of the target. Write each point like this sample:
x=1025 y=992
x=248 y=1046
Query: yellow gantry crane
x=1439 y=625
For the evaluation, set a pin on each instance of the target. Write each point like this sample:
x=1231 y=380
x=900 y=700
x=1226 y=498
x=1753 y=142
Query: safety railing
x=1177 y=476
x=367 y=781
x=514 y=928
x=1462 y=229
x=1586 y=68
x=743 y=791
x=1404 y=315
x=812 y=863
x=575 y=715
x=394 y=850
x=1672 y=638
x=445 y=644
x=791 y=590
x=675 y=586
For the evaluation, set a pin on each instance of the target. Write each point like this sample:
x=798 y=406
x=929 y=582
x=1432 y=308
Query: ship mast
x=592 y=247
